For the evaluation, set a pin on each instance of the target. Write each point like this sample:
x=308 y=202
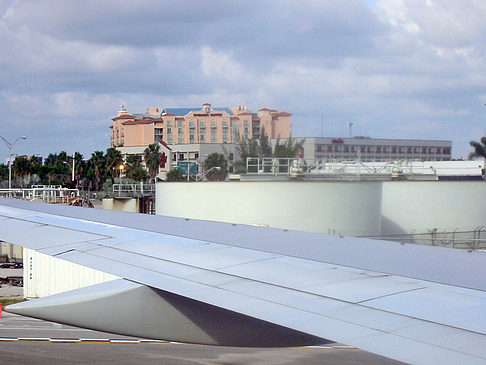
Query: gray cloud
x=411 y=69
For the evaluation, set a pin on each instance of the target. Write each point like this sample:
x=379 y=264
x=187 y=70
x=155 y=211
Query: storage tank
x=344 y=207
x=424 y=206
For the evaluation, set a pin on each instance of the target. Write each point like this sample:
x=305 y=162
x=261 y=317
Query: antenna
x=322 y=125
x=350 y=125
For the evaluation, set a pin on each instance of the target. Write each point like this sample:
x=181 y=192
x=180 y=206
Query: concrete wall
x=45 y=275
x=420 y=206
x=349 y=208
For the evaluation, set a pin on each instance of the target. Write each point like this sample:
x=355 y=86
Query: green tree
x=245 y=149
x=134 y=168
x=79 y=170
x=175 y=175
x=3 y=173
x=288 y=149
x=21 y=167
x=264 y=147
x=97 y=165
x=479 y=149
x=153 y=157
x=216 y=160
x=114 y=159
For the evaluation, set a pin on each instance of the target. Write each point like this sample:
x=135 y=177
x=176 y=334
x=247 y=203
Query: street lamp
x=121 y=168
x=10 y=145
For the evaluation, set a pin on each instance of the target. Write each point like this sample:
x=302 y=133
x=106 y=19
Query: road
x=30 y=341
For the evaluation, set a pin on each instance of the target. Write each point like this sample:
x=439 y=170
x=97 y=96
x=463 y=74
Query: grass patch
x=5 y=302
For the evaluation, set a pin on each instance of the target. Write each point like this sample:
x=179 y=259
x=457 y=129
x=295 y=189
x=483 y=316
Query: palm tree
x=216 y=160
x=153 y=158
x=134 y=168
x=97 y=164
x=79 y=168
x=114 y=159
x=479 y=149
x=21 y=167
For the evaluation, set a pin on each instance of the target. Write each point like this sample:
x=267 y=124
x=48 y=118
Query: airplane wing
x=227 y=284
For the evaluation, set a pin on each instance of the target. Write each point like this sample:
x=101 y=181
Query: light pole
x=121 y=168
x=10 y=145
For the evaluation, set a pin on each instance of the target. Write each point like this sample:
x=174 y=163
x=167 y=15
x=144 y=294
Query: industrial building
x=376 y=149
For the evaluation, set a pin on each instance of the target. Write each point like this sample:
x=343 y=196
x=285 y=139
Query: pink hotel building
x=197 y=125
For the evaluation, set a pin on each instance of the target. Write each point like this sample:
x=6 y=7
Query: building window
x=202 y=138
x=213 y=124
x=231 y=156
x=191 y=138
x=191 y=124
x=202 y=125
x=345 y=149
x=158 y=134
x=225 y=124
x=446 y=151
x=213 y=135
x=169 y=138
x=169 y=125
x=179 y=123
x=409 y=149
x=181 y=157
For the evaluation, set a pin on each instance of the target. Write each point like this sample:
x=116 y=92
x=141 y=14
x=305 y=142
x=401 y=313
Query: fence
x=47 y=193
x=133 y=190
x=473 y=240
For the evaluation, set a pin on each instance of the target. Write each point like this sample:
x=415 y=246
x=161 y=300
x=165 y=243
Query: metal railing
x=133 y=190
x=47 y=193
x=473 y=240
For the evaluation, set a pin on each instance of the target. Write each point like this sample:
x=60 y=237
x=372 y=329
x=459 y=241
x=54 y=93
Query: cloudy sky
x=395 y=68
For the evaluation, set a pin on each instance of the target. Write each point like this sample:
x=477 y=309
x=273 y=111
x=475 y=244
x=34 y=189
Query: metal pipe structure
x=10 y=146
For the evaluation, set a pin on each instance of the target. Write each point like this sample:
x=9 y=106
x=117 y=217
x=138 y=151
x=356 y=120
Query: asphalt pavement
x=30 y=341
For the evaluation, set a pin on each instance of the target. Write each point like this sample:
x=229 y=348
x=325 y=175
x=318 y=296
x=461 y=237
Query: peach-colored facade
x=205 y=125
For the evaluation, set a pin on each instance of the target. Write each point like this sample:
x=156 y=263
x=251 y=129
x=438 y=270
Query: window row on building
x=371 y=149
x=197 y=125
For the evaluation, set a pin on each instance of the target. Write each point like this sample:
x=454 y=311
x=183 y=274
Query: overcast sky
x=395 y=68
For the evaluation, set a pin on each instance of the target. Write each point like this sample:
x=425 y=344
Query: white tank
x=422 y=206
x=347 y=208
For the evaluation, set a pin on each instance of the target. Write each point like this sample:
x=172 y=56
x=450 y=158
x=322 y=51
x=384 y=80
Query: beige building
x=197 y=125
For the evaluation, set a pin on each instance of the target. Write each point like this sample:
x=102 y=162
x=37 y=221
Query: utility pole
x=10 y=146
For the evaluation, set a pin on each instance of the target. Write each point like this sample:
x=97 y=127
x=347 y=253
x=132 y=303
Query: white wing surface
x=416 y=304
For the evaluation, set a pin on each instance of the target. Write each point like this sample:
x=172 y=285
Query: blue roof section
x=185 y=111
